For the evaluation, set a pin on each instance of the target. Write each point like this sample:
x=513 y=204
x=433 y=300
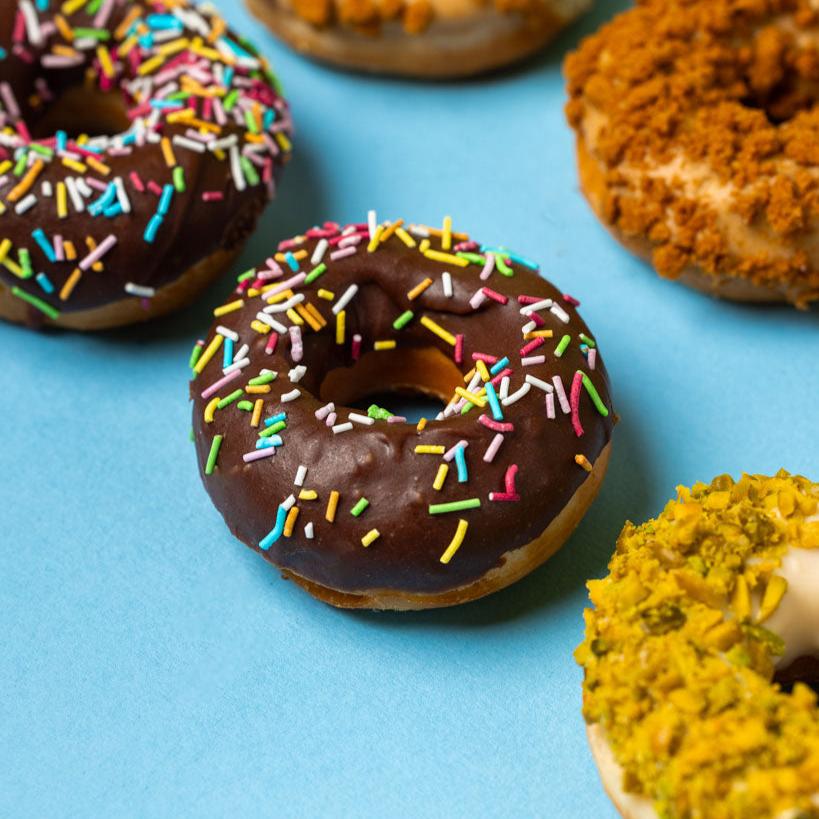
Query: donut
x=697 y=135
x=139 y=142
x=359 y=506
x=699 y=651
x=418 y=38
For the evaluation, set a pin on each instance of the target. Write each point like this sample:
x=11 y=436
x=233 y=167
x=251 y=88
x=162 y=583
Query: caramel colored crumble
x=733 y=85
x=417 y=16
x=679 y=664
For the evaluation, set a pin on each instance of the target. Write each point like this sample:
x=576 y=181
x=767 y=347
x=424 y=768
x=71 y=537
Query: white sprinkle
x=190 y=144
x=419 y=230
x=271 y=322
x=241 y=352
x=323 y=412
x=474 y=382
x=139 y=290
x=361 y=419
x=288 y=503
x=35 y=34
x=539 y=383
x=532 y=360
x=345 y=427
x=488 y=267
x=236 y=365
x=493 y=448
x=517 y=395
x=74 y=194
x=331 y=419
x=122 y=195
x=558 y=311
x=26 y=203
x=503 y=392
x=236 y=169
x=284 y=306
x=372 y=222
x=45 y=188
x=301 y=474
x=297 y=373
x=226 y=333
x=308 y=530
x=550 y=405
x=528 y=327
x=296 y=346
x=345 y=298
x=478 y=299
x=319 y=251
x=446 y=280
x=561 y=394
x=290 y=396
x=528 y=309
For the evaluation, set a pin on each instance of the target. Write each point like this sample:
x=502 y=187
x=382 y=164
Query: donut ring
x=697 y=126
x=418 y=38
x=701 y=607
x=102 y=231
x=362 y=509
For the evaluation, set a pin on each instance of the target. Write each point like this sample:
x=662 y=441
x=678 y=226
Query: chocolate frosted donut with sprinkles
x=139 y=142
x=359 y=506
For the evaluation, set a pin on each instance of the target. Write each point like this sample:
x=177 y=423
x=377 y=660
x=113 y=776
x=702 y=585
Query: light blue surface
x=150 y=665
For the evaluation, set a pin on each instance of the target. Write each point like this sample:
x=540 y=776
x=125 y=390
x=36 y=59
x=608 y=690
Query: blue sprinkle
x=153 y=227
x=113 y=210
x=165 y=200
x=266 y=443
x=228 y=76
x=45 y=283
x=228 y=352
x=460 y=462
x=42 y=240
x=3 y=53
x=163 y=21
x=62 y=140
x=499 y=365
x=104 y=201
x=266 y=542
x=292 y=261
x=268 y=118
x=42 y=5
x=274 y=419
x=494 y=404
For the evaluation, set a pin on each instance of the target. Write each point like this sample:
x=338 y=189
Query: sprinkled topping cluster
x=679 y=662
x=192 y=92
x=289 y=307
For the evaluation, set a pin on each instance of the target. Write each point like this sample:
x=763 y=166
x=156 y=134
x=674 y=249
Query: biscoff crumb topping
x=678 y=661
x=729 y=83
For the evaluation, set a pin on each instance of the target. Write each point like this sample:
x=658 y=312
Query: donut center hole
x=413 y=382
x=804 y=670
x=82 y=110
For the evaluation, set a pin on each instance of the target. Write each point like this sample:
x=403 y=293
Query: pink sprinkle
x=531 y=346
x=536 y=318
x=296 y=346
x=287 y=284
x=503 y=496
x=154 y=188
x=571 y=300
x=577 y=383
x=396 y=419
x=493 y=448
x=288 y=244
x=500 y=376
x=331 y=419
x=322 y=412
x=529 y=299
x=356 y=347
x=509 y=478
x=343 y=253
x=217 y=385
x=257 y=454
x=488 y=267
x=495 y=426
x=213 y=196
x=550 y=405
x=19 y=27
x=98 y=252
x=592 y=358
x=137 y=182
x=450 y=454
x=533 y=359
x=459 y=349
x=485 y=357
x=273 y=339
x=561 y=394
x=494 y=295
x=59 y=250
x=478 y=299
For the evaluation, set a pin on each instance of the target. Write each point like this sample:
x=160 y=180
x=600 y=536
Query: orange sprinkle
x=582 y=460
x=24 y=185
x=70 y=283
x=418 y=289
x=167 y=152
x=332 y=505
x=290 y=523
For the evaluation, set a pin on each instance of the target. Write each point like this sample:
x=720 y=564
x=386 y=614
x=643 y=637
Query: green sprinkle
x=403 y=320
x=179 y=179
x=561 y=347
x=214 y=454
x=379 y=413
x=229 y=399
x=246 y=406
x=360 y=506
x=195 y=353
x=41 y=149
x=191 y=436
x=454 y=506
x=260 y=380
x=81 y=33
x=586 y=340
x=594 y=395
x=250 y=121
x=273 y=429
x=22 y=162
x=230 y=99
x=25 y=263
x=503 y=268
x=315 y=273
x=248 y=274
x=249 y=171
x=35 y=302
x=466 y=407
x=475 y=258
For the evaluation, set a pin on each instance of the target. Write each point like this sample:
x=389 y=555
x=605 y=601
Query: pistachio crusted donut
x=98 y=231
x=360 y=507
x=697 y=132
x=422 y=38
x=702 y=606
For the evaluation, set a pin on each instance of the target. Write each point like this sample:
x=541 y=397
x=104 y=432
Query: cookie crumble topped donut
x=360 y=507
x=701 y=607
x=697 y=128
x=98 y=230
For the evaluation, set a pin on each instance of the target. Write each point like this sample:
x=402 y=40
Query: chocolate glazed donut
x=99 y=231
x=366 y=510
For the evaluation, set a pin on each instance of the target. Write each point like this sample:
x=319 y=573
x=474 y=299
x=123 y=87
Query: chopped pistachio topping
x=679 y=664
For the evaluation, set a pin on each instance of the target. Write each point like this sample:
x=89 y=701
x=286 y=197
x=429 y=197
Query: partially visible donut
x=419 y=38
x=697 y=130
x=363 y=509
x=98 y=231
x=702 y=606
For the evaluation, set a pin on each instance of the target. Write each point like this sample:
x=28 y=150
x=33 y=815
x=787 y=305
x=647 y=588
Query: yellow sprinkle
x=439 y=331
x=327 y=295
x=582 y=460
x=472 y=397
x=774 y=592
x=263 y=329
x=98 y=166
x=130 y=18
x=418 y=289
x=370 y=537
x=257 y=389
x=438 y=483
x=291 y=521
x=481 y=367
x=72 y=164
x=70 y=6
x=105 y=61
x=5 y=247
x=385 y=344
x=468 y=376
x=70 y=283
x=229 y=307
x=167 y=152
x=446 y=258
x=257 y=412
x=376 y=238
x=5 y=165
x=341 y=320
x=127 y=45
x=430 y=449
x=15 y=268
x=168 y=49
x=446 y=233
x=455 y=543
x=741 y=600
x=296 y=254
x=421 y=425
x=424 y=246
x=332 y=504
x=308 y=494
x=405 y=237
x=284 y=142
x=150 y=65
x=295 y=317
x=210 y=409
x=208 y=353
x=62 y=202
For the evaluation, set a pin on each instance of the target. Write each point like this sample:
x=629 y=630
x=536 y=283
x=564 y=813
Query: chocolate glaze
x=191 y=231
x=378 y=462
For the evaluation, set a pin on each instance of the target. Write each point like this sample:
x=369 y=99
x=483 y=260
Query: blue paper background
x=151 y=665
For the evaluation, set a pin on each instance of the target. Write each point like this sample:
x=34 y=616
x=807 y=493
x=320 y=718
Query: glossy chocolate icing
x=379 y=462
x=191 y=231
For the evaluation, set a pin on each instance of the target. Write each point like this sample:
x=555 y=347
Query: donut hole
x=784 y=101
x=804 y=670
x=423 y=374
x=81 y=109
